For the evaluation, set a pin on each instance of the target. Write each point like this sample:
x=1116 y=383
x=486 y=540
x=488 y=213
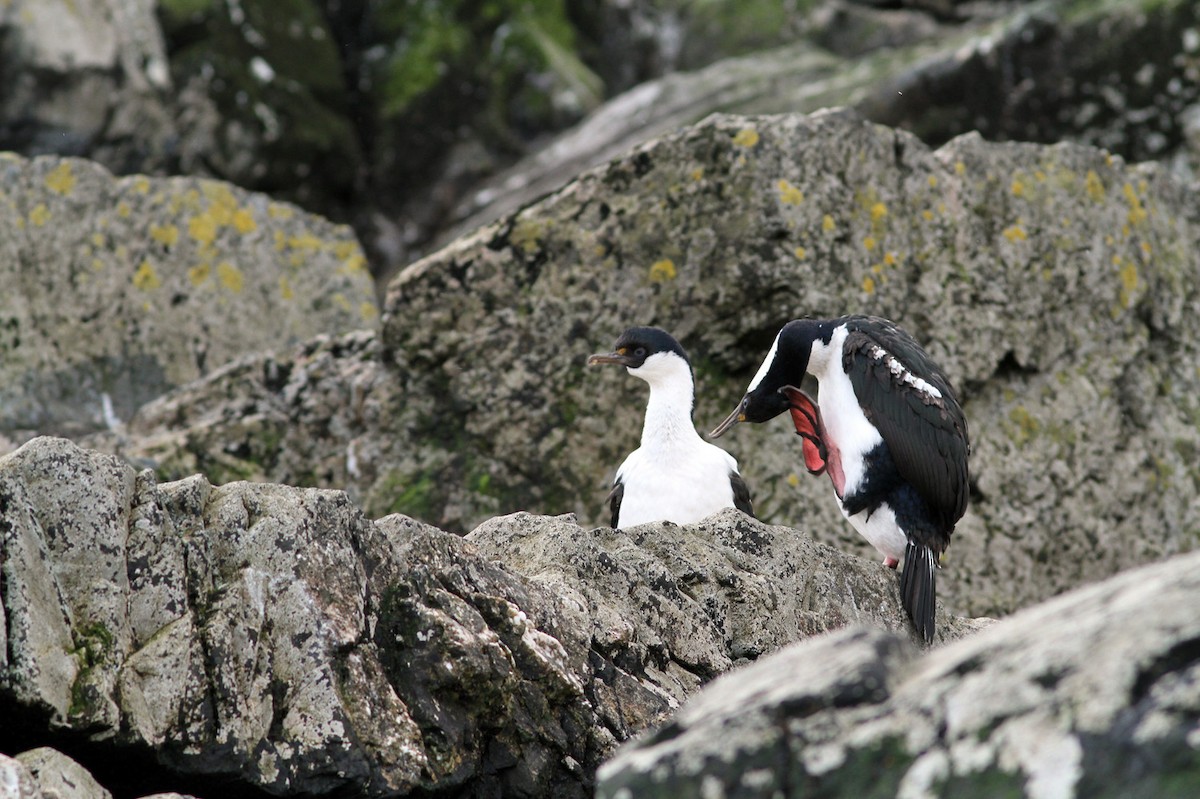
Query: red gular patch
x=807 y=419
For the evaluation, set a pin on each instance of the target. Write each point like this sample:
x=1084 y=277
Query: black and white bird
x=887 y=429
x=675 y=475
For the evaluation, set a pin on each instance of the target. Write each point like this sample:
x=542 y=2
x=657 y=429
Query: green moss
x=993 y=783
x=414 y=494
x=496 y=46
x=873 y=772
x=93 y=646
x=1022 y=427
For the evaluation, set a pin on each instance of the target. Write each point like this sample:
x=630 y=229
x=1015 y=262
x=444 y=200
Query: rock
x=16 y=781
x=273 y=638
x=89 y=77
x=1095 y=693
x=59 y=777
x=1050 y=282
x=122 y=288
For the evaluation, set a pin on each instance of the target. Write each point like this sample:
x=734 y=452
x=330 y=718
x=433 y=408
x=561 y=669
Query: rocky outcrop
x=1008 y=72
x=1051 y=283
x=1093 y=694
x=267 y=637
x=119 y=289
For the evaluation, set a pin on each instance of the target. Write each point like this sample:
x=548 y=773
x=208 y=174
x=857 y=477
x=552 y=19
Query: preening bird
x=887 y=429
x=675 y=475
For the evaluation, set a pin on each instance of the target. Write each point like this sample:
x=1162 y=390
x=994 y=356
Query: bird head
x=649 y=353
x=783 y=368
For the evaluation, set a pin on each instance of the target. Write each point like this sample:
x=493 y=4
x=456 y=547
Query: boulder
x=1092 y=694
x=273 y=638
x=118 y=289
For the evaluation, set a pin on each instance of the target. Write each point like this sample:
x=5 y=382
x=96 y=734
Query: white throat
x=669 y=410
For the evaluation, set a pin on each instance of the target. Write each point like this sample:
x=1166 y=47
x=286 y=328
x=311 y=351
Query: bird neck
x=669 y=411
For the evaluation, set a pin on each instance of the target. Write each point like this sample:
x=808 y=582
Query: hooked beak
x=611 y=357
x=738 y=415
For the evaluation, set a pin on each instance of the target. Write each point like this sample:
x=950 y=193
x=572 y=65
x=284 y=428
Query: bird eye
x=640 y=352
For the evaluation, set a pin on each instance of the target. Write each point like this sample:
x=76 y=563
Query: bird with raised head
x=886 y=427
x=675 y=475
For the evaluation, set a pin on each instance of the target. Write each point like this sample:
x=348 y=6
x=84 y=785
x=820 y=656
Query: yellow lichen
x=141 y=184
x=98 y=240
x=927 y=215
x=869 y=243
x=1137 y=213
x=199 y=273
x=61 y=179
x=793 y=480
x=827 y=223
x=203 y=228
x=40 y=214
x=662 y=271
x=1129 y=281
x=1017 y=188
x=959 y=167
x=1094 y=186
x=698 y=173
x=285 y=288
x=878 y=212
x=280 y=211
x=889 y=259
x=789 y=194
x=800 y=253
x=746 y=137
x=868 y=284
x=243 y=221
x=1015 y=233
x=230 y=276
x=166 y=235
x=145 y=278
x=367 y=310
x=933 y=181
x=339 y=299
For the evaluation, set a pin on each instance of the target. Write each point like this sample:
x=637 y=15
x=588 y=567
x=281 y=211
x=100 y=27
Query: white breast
x=682 y=484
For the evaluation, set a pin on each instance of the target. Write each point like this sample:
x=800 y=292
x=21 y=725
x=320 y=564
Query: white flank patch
x=880 y=355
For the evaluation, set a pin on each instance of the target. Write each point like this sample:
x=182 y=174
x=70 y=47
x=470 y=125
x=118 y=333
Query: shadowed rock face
x=1096 y=693
x=274 y=639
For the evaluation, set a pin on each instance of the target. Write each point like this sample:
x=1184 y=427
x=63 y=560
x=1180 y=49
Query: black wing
x=741 y=494
x=926 y=434
x=614 y=501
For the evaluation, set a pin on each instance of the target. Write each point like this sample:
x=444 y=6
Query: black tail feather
x=918 y=588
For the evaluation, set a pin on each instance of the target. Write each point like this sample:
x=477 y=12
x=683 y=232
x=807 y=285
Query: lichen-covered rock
x=1096 y=693
x=274 y=636
x=118 y=289
x=1052 y=283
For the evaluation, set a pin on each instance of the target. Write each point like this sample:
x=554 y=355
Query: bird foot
x=891 y=563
